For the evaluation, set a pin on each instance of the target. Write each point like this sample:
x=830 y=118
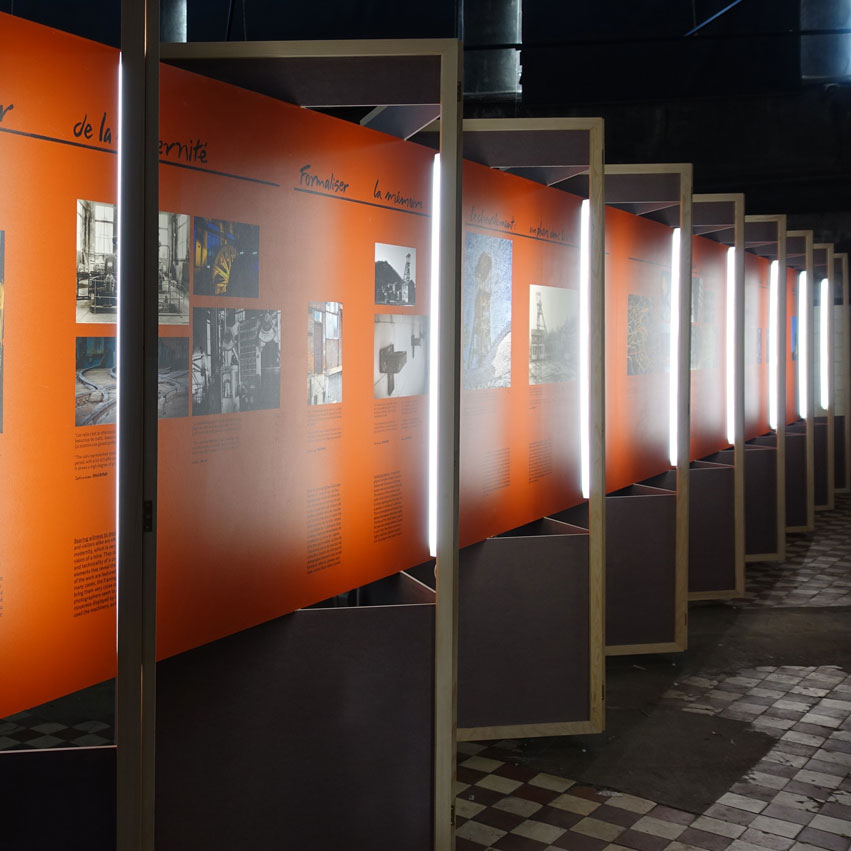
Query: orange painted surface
x=792 y=346
x=520 y=442
x=708 y=423
x=638 y=279
x=757 y=271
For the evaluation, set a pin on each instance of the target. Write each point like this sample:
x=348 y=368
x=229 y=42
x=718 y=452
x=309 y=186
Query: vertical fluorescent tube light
x=584 y=344
x=773 y=343
x=731 y=345
x=434 y=356
x=674 y=354
x=118 y=276
x=803 y=343
x=824 y=344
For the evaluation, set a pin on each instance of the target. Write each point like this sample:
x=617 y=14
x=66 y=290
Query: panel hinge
x=148 y=515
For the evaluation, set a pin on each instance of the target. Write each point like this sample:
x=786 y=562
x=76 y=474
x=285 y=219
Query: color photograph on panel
x=97 y=285
x=173 y=377
x=97 y=381
x=236 y=360
x=553 y=334
x=400 y=365
x=2 y=316
x=395 y=275
x=487 y=312
x=324 y=352
x=173 y=269
x=227 y=258
x=704 y=326
x=649 y=330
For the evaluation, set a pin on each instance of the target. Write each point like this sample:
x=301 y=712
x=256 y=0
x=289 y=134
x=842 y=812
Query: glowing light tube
x=434 y=357
x=803 y=344
x=584 y=347
x=731 y=345
x=773 y=344
x=824 y=344
x=674 y=359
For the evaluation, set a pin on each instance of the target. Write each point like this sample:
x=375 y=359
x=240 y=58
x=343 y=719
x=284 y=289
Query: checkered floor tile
x=27 y=731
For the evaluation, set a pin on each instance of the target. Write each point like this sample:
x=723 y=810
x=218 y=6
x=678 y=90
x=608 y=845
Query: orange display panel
x=294 y=268
x=520 y=437
x=708 y=424
x=638 y=324
x=792 y=345
x=757 y=271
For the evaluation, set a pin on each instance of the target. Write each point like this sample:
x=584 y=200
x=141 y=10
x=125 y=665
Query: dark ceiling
x=756 y=93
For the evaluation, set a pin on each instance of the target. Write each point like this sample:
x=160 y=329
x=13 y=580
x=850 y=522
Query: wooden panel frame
x=775 y=251
x=827 y=248
x=258 y=60
x=722 y=216
x=676 y=195
x=805 y=264
x=841 y=261
x=550 y=158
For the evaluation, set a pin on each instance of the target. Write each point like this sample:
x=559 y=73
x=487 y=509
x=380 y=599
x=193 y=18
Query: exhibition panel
x=530 y=592
x=822 y=374
x=764 y=380
x=841 y=374
x=717 y=531
x=800 y=443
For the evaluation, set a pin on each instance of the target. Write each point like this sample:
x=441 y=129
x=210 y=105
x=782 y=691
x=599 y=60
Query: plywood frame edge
x=527 y=731
x=596 y=502
x=827 y=247
x=739 y=392
x=845 y=316
x=701 y=596
x=643 y=649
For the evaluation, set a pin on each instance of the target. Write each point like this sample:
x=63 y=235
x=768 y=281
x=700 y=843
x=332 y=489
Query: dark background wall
x=756 y=93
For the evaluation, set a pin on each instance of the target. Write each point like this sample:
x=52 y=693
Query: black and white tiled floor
x=26 y=730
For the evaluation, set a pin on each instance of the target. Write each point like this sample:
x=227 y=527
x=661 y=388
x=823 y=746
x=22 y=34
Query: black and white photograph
x=97 y=282
x=704 y=326
x=324 y=352
x=96 y=381
x=173 y=269
x=395 y=275
x=649 y=329
x=236 y=360
x=400 y=358
x=227 y=258
x=487 y=311
x=173 y=377
x=553 y=334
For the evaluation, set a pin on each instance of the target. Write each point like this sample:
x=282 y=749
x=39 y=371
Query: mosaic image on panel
x=97 y=284
x=553 y=334
x=324 y=352
x=173 y=269
x=395 y=275
x=704 y=326
x=236 y=360
x=487 y=312
x=96 y=381
x=400 y=357
x=227 y=258
x=173 y=377
x=649 y=330
x=2 y=316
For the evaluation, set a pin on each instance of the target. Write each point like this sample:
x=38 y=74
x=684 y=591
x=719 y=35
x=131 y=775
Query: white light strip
x=584 y=344
x=803 y=344
x=731 y=345
x=773 y=344
x=824 y=343
x=434 y=357
x=118 y=276
x=674 y=359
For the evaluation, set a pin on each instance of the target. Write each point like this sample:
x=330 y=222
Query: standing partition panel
x=765 y=340
x=822 y=372
x=841 y=375
x=322 y=428
x=800 y=444
x=648 y=270
x=530 y=587
x=717 y=554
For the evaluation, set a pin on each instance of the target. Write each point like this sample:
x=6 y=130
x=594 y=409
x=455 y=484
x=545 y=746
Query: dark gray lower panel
x=523 y=642
x=58 y=799
x=820 y=463
x=839 y=452
x=796 y=478
x=712 y=529
x=760 y=499
x=312 y=731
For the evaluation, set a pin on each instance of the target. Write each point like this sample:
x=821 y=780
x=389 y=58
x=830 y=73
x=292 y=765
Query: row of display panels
x=281 y=487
